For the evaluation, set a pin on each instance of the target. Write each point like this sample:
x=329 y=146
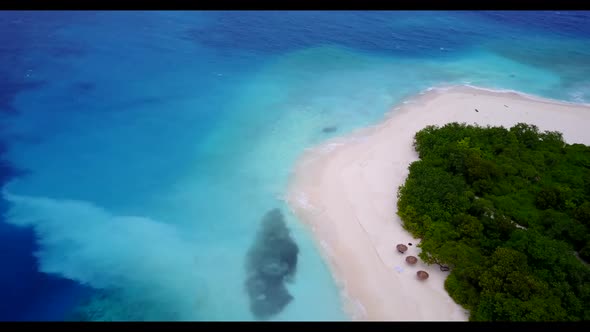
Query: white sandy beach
x=345 y=190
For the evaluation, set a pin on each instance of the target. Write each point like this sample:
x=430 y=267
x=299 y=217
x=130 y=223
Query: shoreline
x=345 y=189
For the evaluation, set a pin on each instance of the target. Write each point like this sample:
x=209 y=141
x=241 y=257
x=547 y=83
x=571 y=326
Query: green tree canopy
x=508 y=210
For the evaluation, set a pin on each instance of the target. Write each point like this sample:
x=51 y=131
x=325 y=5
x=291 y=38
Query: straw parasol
x=411 y=260
x=402 y=248
x=422 y=275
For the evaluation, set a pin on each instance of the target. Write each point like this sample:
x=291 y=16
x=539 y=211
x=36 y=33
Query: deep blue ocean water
x=143 y=148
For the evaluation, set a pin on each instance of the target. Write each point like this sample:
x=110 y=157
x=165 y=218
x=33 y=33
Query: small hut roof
x=422 y=275
x=411 y=260
x=402 y=248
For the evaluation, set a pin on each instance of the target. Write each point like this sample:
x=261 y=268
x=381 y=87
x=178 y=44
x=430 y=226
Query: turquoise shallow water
x=154 y=142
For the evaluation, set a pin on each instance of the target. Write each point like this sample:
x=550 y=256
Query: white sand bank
x=345 y=190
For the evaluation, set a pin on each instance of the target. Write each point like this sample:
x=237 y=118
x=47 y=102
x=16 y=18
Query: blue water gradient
x=141 y=149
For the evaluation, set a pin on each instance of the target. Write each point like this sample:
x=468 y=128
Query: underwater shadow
x=270 y=263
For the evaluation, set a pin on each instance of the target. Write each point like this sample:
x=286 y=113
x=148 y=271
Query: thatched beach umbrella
x=422 y=275
x=402 y=248
x=411 y=260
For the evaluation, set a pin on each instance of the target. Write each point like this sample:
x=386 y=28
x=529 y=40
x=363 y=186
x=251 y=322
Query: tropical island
x=508 y=211
x=493 y=199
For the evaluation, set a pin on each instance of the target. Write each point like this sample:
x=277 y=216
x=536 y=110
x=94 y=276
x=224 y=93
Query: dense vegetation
x=508 y=211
